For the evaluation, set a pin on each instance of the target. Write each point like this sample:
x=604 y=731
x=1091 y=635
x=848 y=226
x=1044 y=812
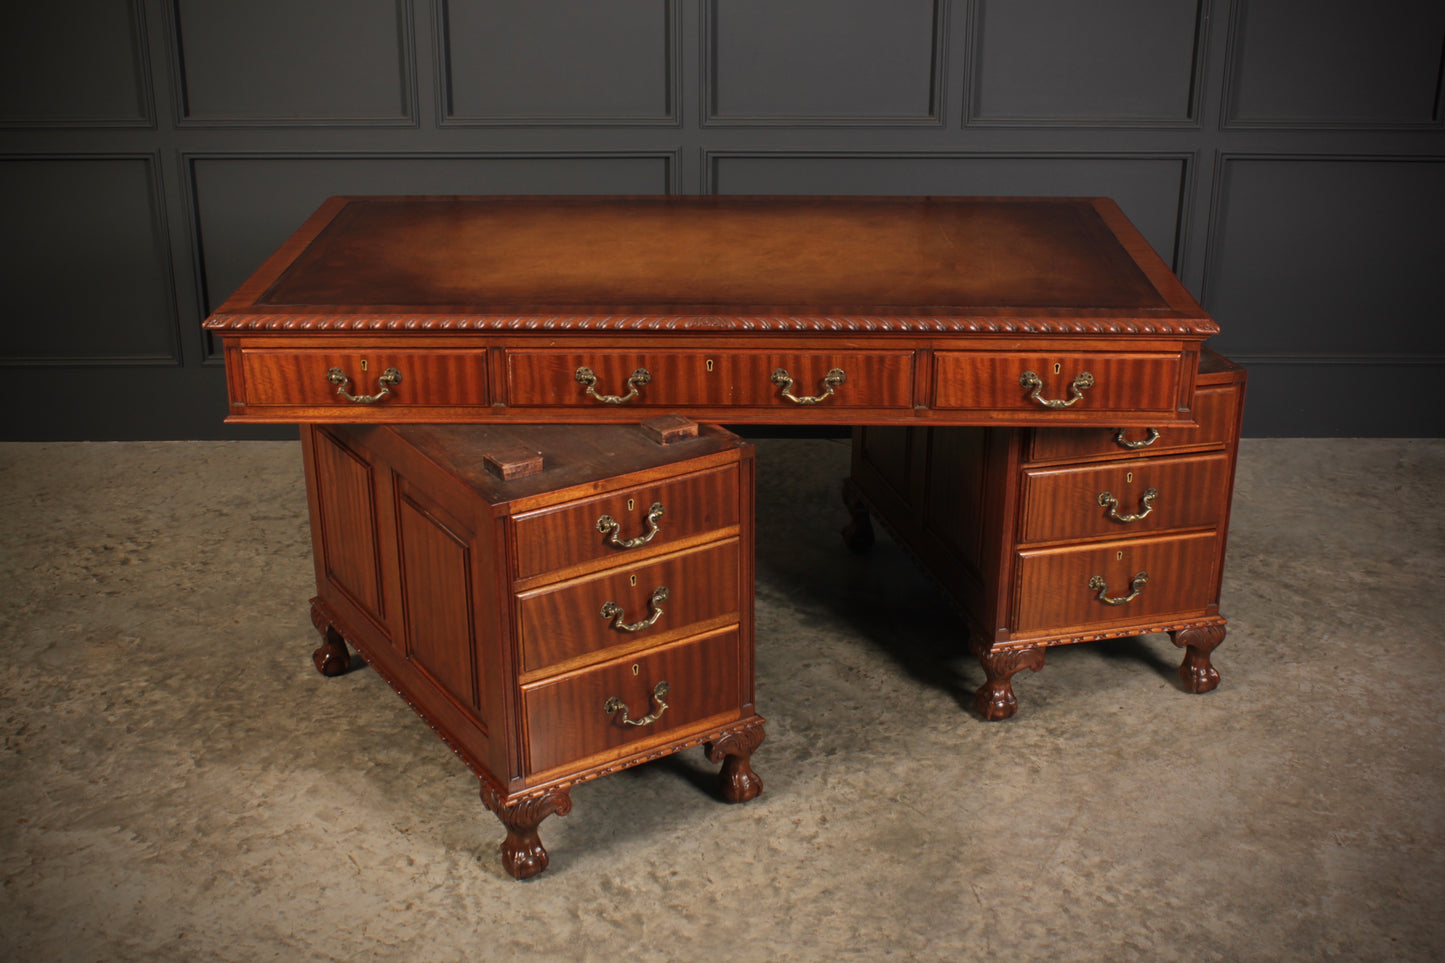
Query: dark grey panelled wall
x=1287 y=157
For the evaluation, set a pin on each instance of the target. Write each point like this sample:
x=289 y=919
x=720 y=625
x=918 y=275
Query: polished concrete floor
x=178 y=783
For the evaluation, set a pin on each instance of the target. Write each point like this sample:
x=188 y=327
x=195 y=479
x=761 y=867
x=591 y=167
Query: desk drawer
x=556 y=538
x=304 y=377
x=1187 y=492
x=1215 y=406
x=723 y=379
x=567 y=719
x=660 y=598
x=1070 y=386
x=1057 y=592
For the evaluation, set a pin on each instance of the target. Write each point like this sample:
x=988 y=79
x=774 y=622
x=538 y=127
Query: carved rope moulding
x=856 y=324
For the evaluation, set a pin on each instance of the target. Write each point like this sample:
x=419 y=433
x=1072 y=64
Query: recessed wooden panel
x=1063 y=62
x=284 y=62
x=1148 y=188
x=436 y=601
x=604 y=62
x=84 y=263
x=849 y=61
x=75 y=63
x=1336 y=63
x=247 y=206
x=350 y=553
x=1319 y=257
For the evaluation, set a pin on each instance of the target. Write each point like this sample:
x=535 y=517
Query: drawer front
x=567 y=719
x=305 y=377
x=1124 y=498
x=626 y=522
x=1056 y=591
x=688 y=379
x=1215 y=406
x=1068 y=387
x=660 y=598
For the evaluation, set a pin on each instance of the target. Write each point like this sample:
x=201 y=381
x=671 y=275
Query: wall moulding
x=268 y=63
x=92 y=291
x=1358 y=67
x=606 y=65
x=887 y=71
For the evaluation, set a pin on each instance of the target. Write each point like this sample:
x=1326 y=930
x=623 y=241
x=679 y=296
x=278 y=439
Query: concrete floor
x=178 y=783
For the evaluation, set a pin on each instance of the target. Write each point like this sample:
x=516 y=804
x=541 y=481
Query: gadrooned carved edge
x=1138 y=628
x=847 y=323
x=715 y=736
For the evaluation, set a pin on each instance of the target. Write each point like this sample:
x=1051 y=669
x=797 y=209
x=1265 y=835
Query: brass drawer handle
x=613 y=611
x=388 y=378
x=1145 y=442
x=1107 y=500
x=659 y=695
x=831 y=380
x=586 y=376
x=1136 y=585
x=607 y=524
x=1076 y=389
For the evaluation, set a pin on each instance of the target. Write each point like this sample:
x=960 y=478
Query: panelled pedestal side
x=556 y=603
x=1047 y=536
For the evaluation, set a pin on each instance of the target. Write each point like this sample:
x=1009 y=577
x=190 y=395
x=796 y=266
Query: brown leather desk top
x=717 y=263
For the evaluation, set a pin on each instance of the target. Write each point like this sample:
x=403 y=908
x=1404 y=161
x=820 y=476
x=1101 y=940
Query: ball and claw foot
x=1196 y=672
x=994 y=699
x=523 y=855
x=736 y=781
x=332 y=658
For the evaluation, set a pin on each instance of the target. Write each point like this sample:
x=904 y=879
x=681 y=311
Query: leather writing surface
x=717 y=255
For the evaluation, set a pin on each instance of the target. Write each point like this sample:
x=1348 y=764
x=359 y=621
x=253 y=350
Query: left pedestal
x=557 y=603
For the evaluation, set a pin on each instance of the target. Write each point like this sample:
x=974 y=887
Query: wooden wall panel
x=1302 y=63
x=80 y=63
x=83 y=263
x=283 y=62
x=1119 y=62
x=844 y=62
x=1325 y=257
x=559 y=62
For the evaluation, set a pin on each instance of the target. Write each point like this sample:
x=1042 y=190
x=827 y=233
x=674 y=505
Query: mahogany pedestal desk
x=557 y=602
x=1039 y=320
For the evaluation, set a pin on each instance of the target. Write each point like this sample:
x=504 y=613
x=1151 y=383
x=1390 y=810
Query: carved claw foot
x=858 y=533
x=332 y=658
x=523 y=855
x=995 y=698
x=737 y=781
x=1196 y=671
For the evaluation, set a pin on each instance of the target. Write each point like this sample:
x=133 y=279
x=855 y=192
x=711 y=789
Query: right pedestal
x=1049 y=536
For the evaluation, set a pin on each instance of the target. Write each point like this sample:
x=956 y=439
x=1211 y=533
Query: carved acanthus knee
x=995 y=698
x=523 y=855
x=1196 y=672
x=734 y=750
